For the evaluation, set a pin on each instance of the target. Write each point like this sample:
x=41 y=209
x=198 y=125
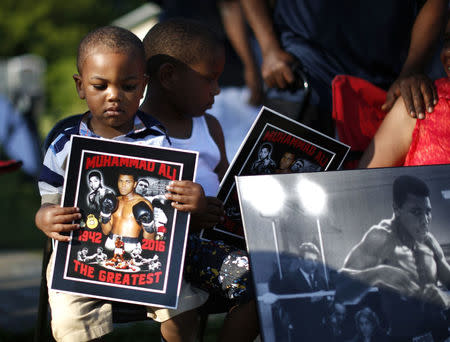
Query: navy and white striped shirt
x=146 y=131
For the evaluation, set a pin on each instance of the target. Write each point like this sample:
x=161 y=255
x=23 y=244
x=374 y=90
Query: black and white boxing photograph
x=130 y=245
x=359 y=255
x=275 y=144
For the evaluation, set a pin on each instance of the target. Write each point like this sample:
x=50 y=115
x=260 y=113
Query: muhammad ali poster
x=130 y=246
x=359 y=255
x=275 y=144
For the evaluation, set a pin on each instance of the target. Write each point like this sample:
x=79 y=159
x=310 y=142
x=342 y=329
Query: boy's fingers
x=181 y=207
x=59 y=237
x=177 y=198
x=177 y=189
x=56 y=211
x=69 y=210
x=67 y=218
x=180 y=184
x=185 y=188
x=66 y=227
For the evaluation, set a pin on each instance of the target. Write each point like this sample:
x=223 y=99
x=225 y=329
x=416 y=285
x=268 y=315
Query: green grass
x=19 y=200
x=149 y=331
x=130 y=332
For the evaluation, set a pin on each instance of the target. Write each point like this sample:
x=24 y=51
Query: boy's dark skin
x=112 y=84
x=181 y=92
x=176 y=93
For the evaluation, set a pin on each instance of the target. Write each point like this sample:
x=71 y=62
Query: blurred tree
x=53 y=29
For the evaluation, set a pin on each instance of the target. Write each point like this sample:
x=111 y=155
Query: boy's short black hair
x=184 y=40
x=115 y=38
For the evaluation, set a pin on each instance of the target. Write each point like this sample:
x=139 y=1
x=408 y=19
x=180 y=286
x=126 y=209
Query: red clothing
x=431 y=137
x=357 y=113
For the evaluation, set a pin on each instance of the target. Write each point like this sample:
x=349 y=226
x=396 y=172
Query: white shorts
x=78 y=318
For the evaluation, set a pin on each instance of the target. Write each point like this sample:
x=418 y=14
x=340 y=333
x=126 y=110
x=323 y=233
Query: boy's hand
x=187 y=196
x=53 y=219
x=213 y=215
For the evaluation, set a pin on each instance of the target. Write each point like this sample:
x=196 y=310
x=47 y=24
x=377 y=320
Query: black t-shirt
x=368 y=39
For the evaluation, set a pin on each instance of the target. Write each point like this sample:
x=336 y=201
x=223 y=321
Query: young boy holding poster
x=184 y=62
x=111 y=78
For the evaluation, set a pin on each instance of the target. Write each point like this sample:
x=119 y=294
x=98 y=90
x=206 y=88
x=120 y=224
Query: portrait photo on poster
x=355 y=255
x=275 y=144
x=130 y=246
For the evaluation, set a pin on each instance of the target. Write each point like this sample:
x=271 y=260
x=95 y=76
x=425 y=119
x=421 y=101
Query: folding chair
x=121 y=312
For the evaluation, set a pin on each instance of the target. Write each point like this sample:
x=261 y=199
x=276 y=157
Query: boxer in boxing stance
x=159 y=203
x=126 y=215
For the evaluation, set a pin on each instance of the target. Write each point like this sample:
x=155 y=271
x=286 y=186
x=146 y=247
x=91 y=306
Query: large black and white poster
x=357 y=255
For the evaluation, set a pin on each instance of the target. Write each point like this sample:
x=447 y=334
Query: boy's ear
x=167 y=75
x=79 y=85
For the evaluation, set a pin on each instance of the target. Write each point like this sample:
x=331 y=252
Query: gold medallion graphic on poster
x=91 y=221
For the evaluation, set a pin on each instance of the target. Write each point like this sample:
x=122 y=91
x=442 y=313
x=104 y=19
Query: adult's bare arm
x=234 y=23
x=417 y=90
x=391 y=142
x=275 y=68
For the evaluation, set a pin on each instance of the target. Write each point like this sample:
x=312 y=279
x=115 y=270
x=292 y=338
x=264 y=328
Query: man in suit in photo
x=301 y=316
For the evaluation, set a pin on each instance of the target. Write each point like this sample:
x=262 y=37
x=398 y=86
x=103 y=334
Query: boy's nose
x=114 y=94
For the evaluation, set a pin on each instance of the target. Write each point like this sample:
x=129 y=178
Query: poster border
x=269 y=117
x=376 y=178
x=168 y=296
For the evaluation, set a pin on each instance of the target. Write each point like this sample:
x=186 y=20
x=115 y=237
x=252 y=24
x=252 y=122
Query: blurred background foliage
x=52 y=29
